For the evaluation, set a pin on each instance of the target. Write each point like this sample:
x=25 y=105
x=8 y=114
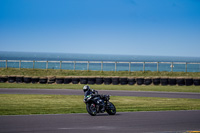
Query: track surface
x=110 y=92
x=140 y=122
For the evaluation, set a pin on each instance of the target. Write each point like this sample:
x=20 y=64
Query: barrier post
x=157 y=66
x=19 y=64
x=129 y=66
x=88 y=66
x=46 y=65
x=60 y=65
x=6 y=64
x=172 y=66
x=74 y=65
x=143 y=66
x=186 y=67
x=115 y=66
x=33 y=64
x=102 y=66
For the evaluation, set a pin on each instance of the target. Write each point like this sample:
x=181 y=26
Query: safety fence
x=103 y=65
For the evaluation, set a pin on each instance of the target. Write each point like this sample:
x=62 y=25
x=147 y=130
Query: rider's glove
x=84 y=100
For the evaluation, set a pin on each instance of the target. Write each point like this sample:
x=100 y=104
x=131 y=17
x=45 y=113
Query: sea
x=152 y=63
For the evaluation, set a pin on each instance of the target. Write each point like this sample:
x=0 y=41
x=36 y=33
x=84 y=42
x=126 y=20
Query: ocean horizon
x=33 y=57
x=43 y=56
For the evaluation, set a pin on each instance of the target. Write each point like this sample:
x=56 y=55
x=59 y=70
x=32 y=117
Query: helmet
x=85 y=88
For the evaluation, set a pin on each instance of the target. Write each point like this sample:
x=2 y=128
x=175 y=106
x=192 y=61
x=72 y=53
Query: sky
x=122 y=27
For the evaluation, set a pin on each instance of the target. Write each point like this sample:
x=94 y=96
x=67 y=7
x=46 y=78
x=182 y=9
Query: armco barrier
x=180 y=81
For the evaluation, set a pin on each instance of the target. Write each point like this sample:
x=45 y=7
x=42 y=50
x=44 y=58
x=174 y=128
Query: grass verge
x=53 y=72
x=18 y=104
x=195 y=89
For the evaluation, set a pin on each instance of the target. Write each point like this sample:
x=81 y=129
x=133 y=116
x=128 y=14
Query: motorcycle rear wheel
x=111 y=110
x=91 y=109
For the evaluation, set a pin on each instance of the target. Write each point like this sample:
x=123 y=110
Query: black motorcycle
x=96 y=103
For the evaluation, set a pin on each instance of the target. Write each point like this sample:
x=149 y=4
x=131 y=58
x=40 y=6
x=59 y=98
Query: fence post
x=6 y=64
x=129 y=66
x=172 y=66
x=60 y=65
x=20 y=64
x=102 y=66
x=186 y=67
x=143 y=66
x=88 y=66
x=74 y=65
x=46 y=65
x=33 y=64
x=157 y=66
x=115 y=66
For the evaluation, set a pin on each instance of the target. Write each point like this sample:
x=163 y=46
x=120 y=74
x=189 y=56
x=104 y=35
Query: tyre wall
x=179 y=81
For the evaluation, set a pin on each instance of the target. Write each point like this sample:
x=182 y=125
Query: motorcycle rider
x=89 y=91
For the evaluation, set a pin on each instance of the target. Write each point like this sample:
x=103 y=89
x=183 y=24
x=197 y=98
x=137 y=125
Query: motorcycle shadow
x=104 y=114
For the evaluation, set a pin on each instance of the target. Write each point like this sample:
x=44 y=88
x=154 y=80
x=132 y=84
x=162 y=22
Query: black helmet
x=85 y=88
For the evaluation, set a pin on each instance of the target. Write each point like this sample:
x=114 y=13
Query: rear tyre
x=91 y=109
x=111 y=110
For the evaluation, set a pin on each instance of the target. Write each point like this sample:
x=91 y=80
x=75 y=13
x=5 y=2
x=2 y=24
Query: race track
x=129 y=122
x=133 y=122
x=110 y=92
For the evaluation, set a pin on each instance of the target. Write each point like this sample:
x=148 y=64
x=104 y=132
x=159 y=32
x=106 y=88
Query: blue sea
x=36 y=56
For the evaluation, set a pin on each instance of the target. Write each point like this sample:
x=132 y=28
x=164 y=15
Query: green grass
x=53 y=72
x=17 y=104
x=105 y=87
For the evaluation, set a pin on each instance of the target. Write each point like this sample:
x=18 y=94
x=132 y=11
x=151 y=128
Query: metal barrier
x=100 y=65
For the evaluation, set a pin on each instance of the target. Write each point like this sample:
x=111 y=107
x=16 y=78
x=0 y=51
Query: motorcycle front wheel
x=91 y=109
x=111 y=110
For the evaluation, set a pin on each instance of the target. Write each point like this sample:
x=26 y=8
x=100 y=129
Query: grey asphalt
x=110 y=92
x=132 y=122
x=140 y=122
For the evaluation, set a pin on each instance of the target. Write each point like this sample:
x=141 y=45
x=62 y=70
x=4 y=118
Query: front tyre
x=91 y=109
x=111 y=110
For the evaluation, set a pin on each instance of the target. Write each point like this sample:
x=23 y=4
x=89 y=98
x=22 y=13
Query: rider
x=89 y=91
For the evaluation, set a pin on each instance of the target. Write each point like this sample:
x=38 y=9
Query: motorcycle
x=96 y=103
